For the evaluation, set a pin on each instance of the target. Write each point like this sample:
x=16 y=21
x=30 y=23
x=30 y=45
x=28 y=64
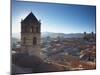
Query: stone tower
x=30 y=35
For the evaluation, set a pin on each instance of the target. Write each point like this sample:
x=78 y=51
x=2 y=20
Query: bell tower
x=30 y=35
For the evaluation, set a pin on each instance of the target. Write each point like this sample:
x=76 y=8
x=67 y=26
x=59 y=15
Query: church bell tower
x=30 y=35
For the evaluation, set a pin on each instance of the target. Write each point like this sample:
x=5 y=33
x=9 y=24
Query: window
x=37 y=29
x=24 y=40
x=31 y=29
x=23 y=29
x=34 y=41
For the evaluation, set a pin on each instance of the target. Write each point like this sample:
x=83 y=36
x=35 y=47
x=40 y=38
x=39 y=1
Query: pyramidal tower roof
x=31 y=18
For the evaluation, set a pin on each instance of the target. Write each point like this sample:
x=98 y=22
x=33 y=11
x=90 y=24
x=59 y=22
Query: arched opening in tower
x=34 y=41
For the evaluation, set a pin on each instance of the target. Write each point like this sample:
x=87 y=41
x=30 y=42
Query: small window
x=34 y=41
x=31 y=29
x=37 y=29
x=24 y=40
x=23 y=29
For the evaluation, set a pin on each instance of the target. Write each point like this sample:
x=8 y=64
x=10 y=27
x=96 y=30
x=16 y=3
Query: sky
x=58 y=18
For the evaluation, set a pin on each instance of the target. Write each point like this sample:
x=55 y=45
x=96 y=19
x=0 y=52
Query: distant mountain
x=16 y=35
x=14 y=41
x=54 y=35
